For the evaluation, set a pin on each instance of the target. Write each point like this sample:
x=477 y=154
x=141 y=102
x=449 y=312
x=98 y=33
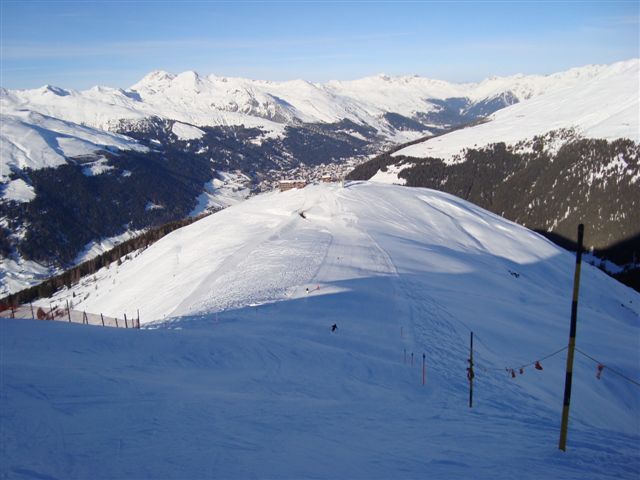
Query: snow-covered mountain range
x=605 y=105
x=238 y=375
x=222 y=101
x=187 y=143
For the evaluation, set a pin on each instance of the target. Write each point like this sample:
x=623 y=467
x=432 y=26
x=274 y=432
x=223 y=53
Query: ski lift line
x=527 y=364
x=608 y=368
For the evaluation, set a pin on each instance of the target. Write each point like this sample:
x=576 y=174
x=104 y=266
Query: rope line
x=530 y=363
x=609 y=368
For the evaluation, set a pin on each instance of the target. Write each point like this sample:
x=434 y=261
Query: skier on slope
x=334 y=327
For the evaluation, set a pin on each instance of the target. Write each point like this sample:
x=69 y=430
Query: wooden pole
x=102 y=319
x=139 y=318
x=572 y=344
x=470 y=373
x=125 y=321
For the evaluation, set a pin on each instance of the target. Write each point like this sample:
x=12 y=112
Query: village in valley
x=303 y=175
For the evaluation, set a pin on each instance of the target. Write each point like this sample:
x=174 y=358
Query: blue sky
x=78 y=44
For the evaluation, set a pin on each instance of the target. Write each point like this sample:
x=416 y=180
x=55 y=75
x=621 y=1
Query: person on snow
x=334 y=327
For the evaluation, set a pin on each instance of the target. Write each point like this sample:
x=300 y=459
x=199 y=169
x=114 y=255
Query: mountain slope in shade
x=244 y=378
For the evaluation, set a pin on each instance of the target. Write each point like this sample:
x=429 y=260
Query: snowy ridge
x=248 y=295
x=33 y=140
x=605 y=106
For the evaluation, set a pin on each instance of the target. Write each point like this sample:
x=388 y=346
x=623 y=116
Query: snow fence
x=54 y=313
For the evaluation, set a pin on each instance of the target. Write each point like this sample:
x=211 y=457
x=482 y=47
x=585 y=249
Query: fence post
x=33 y=317
x=85 y=319
x=68 y=312
x=125 y=321
x=102 y=319
x=116 y=318
x=139 y=318
x=572 y=344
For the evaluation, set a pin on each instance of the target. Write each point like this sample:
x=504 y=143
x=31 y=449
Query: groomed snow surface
x=237 y=374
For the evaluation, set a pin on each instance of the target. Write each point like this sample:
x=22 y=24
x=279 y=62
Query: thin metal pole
x=572 y=344
x=470 y=373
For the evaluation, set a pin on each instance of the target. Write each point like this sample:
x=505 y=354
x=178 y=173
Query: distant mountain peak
x=60 y=92
x=155 y=77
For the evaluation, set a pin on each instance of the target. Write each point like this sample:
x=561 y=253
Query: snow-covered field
x=237 y=374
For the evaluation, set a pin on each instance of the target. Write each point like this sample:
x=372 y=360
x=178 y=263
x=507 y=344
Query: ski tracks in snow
x=261 y=271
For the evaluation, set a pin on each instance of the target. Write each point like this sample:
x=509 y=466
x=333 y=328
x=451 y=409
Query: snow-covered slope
x=596 y=102
x=243 y=378
x=32 y=140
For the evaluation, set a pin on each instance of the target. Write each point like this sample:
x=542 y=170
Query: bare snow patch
x=186 y=132
x=390 y=176
x=153 y=206
x=18 y=274
x=18 y=191
x=98 y=247
x=229 y=189
x=98 y=167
